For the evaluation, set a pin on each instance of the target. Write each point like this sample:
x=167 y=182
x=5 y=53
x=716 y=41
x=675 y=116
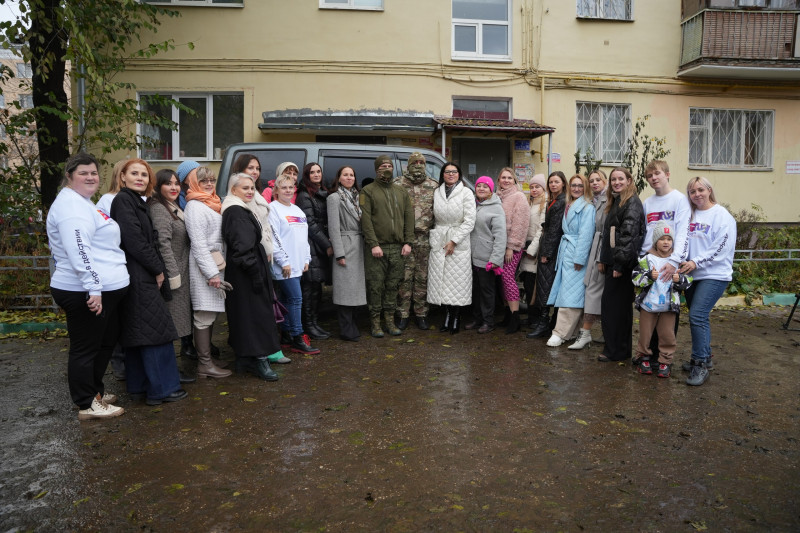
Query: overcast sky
x=9 y=10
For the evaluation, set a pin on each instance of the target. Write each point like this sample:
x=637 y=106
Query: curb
x=31 y=326
x=774 y=298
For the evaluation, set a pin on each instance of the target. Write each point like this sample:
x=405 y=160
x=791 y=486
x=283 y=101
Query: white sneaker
x=584 y=339
x=555 y=340
x=109 y=398
x=99 y=409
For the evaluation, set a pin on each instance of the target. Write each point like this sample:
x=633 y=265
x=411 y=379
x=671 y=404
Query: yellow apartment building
x=494 y=83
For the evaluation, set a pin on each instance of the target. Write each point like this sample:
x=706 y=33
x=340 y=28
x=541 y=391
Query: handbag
x=278 y=309
x=219 y=259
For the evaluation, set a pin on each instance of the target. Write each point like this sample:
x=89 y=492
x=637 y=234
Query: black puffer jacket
x=145 y=318
x=551 y=229
x=316 y=209
x=629 y=230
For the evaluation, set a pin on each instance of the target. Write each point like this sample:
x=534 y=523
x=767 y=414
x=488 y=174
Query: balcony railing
x=740 y=38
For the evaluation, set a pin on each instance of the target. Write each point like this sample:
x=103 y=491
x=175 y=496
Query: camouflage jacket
x=421 y=193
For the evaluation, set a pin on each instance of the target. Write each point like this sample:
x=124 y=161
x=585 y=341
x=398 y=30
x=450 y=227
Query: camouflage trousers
x=383 y=275
x=414 y=286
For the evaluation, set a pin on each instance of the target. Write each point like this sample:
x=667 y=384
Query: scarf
x=260 y=209
x=448 y=189
x=349 y=197
x=505 y=193
x=177 y=211
x=196 y=193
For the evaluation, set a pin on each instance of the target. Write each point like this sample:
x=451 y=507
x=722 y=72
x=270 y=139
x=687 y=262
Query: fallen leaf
x=562 y=409
x=582 y=422
x=133 y=488
x=410 y=340
x=78 y=502
x=446 y=345
x=699 y=526
x=335 y=430
x=228 y=421
x=249 y=400
x=457 y=507
x=223 y=393
x=200 y=468
x=40 y=495
x=186 y=430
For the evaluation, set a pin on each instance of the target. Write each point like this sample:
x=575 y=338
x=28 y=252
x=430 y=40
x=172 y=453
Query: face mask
x=416 y=169
x=386 y=174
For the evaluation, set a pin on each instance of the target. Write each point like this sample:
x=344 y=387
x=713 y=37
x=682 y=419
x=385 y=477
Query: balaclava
x=384 y=175
x=416 y=167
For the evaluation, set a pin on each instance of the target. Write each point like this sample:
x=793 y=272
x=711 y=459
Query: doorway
x=481 y=157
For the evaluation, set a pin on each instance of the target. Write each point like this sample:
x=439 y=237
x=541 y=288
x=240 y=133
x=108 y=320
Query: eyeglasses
x=451 y=171
x=212 y=181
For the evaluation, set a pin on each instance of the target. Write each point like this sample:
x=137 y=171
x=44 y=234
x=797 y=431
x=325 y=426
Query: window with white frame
x=214 y=122
x=239 y=3
x=26 y=100
x=482 y=108
x=603 y=130
x=606 y=9
x=730 y=138
x=482 y=30
x=369 y=5
x=24 y=70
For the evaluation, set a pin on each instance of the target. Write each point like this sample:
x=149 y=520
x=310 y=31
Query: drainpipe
x=444 y=151
x=541 y=121
x=549 y=153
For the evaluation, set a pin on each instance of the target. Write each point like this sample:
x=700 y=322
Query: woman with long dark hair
x=622 y=238
x=250 y=165
x=311 y=198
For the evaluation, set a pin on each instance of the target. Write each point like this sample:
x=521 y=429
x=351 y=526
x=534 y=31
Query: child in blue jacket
x=658 y=302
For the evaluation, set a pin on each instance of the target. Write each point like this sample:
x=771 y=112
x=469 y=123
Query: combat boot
x=391 y=328
x=375 y=322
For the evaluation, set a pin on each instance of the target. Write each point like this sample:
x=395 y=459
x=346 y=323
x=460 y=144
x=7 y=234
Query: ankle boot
x=455 y=320
x=513 y=323
x=506 y=317
x=584 y=339
x=542 y=328
x=446 y=323
x=375 y=323
x=391 y=328
x=316 y=303
x=206 y=367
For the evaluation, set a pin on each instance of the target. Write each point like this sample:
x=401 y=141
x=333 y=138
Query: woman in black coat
x=312 y=199
x=623 y=234
x=248 y=254
x=147 y=328
x=548 y=250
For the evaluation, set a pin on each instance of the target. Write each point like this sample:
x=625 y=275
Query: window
x=239 y=3
x=26 y=100
x=730 y=138
x=482 y=29
x=215 y=122
x=492 y=109
x=373 y=5
x=603 y=129
x=2 y=101
x=24 y=70
x=2 y=132
x=606 y=9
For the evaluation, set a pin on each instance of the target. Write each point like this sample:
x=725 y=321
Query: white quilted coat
x=450 y=277
x=204 y=226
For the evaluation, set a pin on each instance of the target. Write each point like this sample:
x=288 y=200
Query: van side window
x=364 y=167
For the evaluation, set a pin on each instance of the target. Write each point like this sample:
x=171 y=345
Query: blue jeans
x=701 y=297
x=292 y=298
x=152 y=370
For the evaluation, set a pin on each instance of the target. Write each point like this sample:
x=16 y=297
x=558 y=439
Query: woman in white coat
x=450 y=263
x=204 y=225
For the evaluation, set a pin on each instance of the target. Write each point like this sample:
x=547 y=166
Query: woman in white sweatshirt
x=712 y=241
x=89 y=282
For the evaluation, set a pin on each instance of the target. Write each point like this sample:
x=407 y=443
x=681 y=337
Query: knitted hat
x=416 y=156
x=381 y=159
x=486 y=180
x=662 y=229
x=283 y=166
x=539 y=180
x=184 y=169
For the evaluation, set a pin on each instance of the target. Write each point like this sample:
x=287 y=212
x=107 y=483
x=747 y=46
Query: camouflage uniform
x=414 y=286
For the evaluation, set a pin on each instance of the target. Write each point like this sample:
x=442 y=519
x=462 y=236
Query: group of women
x=162 y=255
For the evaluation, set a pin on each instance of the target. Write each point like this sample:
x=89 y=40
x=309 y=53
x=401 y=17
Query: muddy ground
x=426 y=432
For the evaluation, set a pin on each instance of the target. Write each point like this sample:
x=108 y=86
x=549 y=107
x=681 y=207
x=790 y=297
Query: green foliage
x=587 y=161
x=640 y=150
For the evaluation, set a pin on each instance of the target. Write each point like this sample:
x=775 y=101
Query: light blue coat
x=578 y=225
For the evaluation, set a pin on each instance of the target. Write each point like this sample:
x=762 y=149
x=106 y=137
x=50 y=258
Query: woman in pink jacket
x=517 y=212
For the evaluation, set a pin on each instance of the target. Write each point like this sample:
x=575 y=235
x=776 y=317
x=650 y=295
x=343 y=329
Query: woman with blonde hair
x=567 y=293
x=594 y=279
x=515 y=206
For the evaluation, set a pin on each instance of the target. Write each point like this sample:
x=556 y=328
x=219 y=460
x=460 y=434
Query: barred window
x=730 y=138
x=603 y=129
x=606 y=9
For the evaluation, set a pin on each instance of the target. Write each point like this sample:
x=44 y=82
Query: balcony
x=741 y=44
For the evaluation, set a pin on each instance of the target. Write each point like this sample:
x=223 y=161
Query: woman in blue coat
x=568 y=289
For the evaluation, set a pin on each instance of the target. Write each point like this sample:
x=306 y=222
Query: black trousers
x=347 y=321
x=616 y=308
x=91 y=340
x=483 y=296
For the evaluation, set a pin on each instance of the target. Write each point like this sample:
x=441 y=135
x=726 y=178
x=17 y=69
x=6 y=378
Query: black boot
x=542 y=328
x=187 y=348
x=513 y=323
x=316 y=303
x=258 y=366
x=503 y=323
x=446 y=323
x=455 y=319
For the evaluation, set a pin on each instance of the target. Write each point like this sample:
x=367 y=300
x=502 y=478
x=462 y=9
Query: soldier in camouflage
x=414 y=286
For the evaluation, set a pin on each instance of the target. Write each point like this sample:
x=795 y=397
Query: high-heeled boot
x=455 y=320
x=446 y=324
x=542 y=328
x=206 y=367
x=314 y=329
x=506 y=317
x=513 y=323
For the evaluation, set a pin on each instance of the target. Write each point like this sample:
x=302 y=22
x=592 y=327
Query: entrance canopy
x=515 y=128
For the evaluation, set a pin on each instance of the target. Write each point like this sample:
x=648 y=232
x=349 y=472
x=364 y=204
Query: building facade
x=494 y=83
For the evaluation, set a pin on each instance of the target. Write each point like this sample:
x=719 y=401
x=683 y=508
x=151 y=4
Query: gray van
x=331 y=156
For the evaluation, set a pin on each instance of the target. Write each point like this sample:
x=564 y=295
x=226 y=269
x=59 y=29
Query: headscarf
x=196 y=193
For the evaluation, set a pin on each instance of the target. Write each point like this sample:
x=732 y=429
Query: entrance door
x=481 y=157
